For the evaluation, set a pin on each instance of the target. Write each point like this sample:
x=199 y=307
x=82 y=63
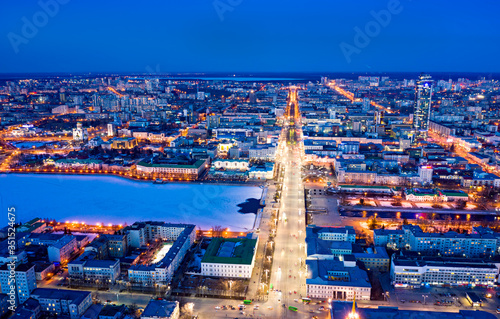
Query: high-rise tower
x=423 y=97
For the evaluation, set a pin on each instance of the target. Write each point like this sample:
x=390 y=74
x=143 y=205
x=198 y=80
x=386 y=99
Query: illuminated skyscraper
x=423 y=96
x=252 y=98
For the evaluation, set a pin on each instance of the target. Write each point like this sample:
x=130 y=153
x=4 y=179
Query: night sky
x=249 y=36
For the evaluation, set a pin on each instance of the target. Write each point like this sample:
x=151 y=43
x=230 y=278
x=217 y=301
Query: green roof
x=241 y=254
x=449 y=192
x=194 y=165
x=415 y=192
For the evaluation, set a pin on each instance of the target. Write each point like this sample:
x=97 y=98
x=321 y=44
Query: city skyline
x=234 y=158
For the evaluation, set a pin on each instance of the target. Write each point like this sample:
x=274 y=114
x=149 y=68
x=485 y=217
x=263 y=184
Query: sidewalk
x=253 y=287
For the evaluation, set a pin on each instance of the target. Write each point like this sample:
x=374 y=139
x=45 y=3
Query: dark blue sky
x=249 y=36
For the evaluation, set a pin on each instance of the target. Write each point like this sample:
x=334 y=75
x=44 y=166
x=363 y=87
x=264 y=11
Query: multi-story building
x=4 y=304
x=57 y=302
x=337 y=280
x=162 y=272
x=434 y=195
x=112 y=312
x=414 y=273
x=231 y=164
x=345 y=233
x=61 y=251
x=262 y=152
x=349 y=147
x=30 y=309
x=25 y=281
x=188 y=170
x=375 y=258
x=104 y=271
x=447 y=244
x=119 y=143
x=230 y=257
x=117 y=246
x=44 y=239
x=262 y=172
x=17 y=256
x=59 y=246
x=344 y=310
x=391 y=238
x=355 y=176
x=325 y=243
x=136 y=235
x=423 y=98
x=161 y=309
x=140 y=233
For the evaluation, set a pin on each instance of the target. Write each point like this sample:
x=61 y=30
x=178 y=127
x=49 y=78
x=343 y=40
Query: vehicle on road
x=292 y=308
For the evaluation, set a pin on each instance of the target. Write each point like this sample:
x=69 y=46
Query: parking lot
x=443 y=299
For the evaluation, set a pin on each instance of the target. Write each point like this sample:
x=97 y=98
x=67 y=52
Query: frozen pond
x=107 y=199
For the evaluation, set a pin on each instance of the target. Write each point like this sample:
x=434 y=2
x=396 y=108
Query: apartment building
x=117 y=246
x=162 y=272
x=104 y=271
x=61 y=251
x=414 y=273
x=25 y=281
x=58 y=302
x=447 y=244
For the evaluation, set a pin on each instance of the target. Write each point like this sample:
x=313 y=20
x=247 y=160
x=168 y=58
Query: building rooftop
x=160 y=308
x=46 y=236
x=230 y=251
x=193 y=165
x=333 y=272
x=342 y=309
x=75 y=296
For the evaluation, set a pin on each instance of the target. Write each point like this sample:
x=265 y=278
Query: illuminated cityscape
x=301 y=161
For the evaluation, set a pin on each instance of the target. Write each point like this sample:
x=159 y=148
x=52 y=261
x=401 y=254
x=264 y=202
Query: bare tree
x=217 y=231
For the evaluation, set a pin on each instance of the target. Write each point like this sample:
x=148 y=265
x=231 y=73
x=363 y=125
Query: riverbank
x=126 y=175
x=112 y=199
